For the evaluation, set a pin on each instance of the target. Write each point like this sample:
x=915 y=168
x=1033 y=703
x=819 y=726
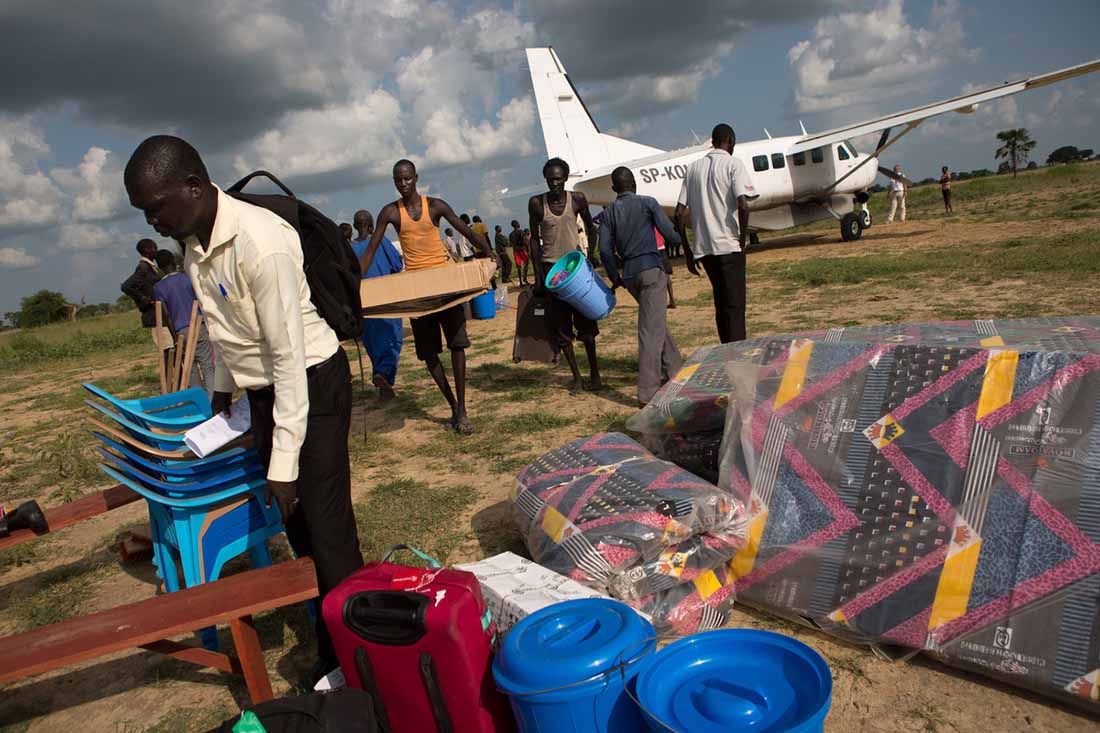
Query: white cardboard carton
x=515 y=587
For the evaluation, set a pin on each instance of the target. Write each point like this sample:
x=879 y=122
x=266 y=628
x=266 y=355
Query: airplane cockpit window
x=851 y=149
x=843 y=153
x=799 y=158
x=778 y=161
x=817 y=155
x=760 y=163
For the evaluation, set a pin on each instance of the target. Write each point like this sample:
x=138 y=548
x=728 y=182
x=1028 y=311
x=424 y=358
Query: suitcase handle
x=387 y=616
x=432 y=562
x=391 y=618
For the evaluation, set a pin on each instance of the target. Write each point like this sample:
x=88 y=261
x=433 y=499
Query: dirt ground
x=407 y=440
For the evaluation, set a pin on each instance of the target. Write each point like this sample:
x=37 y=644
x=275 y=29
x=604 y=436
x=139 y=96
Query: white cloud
x=490 y=203
x=453 y=140
x=95 y=185
x=361 y=135
x=860 y=58
x=28 y=198
x=448 y=77
x=16 y=258
x=85 y=237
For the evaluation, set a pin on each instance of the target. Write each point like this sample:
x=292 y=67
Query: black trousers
x=727 y=279
x=323 y=526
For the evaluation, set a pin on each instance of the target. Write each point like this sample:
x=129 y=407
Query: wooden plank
x=156 y=618
x=195 y=655
x=160 y=354
x=83 y=508
x=251 y=655
x=189 y=348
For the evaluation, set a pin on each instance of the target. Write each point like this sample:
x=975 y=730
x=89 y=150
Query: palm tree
x=1017 y=146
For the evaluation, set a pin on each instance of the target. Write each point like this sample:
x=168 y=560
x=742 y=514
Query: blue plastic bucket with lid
x=735 y=680
x=484 y=306
x=580 y=286
x=565 y=667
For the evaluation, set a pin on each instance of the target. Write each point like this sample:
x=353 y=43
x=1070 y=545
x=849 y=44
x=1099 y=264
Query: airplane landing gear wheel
x=851 y=227
x=754 y=239
x=865 y=218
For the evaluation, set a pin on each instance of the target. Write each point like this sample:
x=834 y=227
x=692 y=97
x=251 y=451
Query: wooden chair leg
x=251 y=657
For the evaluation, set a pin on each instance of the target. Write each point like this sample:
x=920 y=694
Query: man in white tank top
x=553 y=235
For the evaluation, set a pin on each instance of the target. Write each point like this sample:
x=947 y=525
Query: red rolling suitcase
x=420 y=642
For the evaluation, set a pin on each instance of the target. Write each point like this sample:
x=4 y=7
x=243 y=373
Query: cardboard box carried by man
x=421 y=292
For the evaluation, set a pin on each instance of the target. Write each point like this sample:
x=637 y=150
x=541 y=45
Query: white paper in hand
x=206 y=438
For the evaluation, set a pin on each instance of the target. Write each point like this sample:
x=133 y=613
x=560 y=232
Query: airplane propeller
x=889 y=173
x=882 y=140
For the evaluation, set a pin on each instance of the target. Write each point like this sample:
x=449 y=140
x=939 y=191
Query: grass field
x=1015 y=247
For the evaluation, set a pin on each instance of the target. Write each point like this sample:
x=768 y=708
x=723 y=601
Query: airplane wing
x=964 y=104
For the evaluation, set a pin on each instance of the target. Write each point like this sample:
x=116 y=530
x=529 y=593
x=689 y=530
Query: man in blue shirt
x=382 y=337
x=627 y=231
x=175 y=293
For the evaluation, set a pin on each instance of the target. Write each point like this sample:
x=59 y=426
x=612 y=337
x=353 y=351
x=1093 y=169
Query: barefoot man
x=554 y=234
x=416 y=218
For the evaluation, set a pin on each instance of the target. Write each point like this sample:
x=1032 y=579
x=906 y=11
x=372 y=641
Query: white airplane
x=798 y=178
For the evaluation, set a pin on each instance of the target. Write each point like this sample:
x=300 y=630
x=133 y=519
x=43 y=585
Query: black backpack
x=342 y=711
x=331 y=267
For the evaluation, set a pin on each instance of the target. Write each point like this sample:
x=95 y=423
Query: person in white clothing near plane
x=716 y=192
x=898 y=192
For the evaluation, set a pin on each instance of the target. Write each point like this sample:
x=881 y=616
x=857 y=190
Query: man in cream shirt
x=245 y=264
x=715 y=193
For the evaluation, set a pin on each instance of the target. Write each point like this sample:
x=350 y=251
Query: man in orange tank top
x=553 y=235
x=416 y=219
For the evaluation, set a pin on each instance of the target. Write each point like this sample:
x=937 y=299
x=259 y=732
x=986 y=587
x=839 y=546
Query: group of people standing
x=155 y=279
x=244 y=266
x=899 y=193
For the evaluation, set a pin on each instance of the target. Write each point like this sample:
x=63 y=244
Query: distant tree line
x=48 y=306
x=1014 y=153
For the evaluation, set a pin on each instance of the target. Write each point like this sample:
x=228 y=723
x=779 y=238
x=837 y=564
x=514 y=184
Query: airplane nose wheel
x=865 y=217
x=851 y=227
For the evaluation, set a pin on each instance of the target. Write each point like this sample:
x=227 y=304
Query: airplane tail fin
x=568 y=128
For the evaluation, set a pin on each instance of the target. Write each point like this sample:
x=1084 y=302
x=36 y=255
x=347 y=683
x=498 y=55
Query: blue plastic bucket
x=581 y=288
x=565 y=667
x=736 y=680
x=484 y=306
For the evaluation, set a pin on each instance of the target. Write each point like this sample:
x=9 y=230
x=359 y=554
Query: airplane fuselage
x=787 y=185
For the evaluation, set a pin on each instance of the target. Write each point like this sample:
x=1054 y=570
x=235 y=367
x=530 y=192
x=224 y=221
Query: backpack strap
x=239 y=185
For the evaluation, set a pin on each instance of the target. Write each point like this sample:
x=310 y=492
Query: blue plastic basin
x=582 y=288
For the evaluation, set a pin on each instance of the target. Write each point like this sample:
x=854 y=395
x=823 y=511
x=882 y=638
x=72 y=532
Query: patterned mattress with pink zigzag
x=940 y=495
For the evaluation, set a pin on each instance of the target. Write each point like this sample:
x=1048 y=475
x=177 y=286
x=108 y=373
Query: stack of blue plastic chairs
x=202 y=511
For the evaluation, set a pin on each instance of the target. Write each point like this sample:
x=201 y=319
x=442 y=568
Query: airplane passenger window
x=778 y=161
x=851 y=149
x=843 y=153
x=760 y=163
x=817 y=155
x=799 y=158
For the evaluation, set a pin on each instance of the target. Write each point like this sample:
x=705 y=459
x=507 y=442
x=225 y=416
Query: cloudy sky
x=329 y=93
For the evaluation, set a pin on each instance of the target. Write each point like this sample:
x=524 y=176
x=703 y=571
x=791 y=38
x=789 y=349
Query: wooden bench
x=149 y=624
x=69 y=514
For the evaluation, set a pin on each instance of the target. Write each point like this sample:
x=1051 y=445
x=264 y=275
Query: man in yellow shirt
x=245 y=264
